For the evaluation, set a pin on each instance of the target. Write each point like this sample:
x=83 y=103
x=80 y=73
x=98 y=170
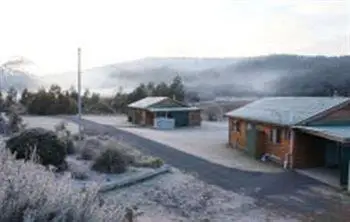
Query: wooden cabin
x=145 y=111
x=295 y=132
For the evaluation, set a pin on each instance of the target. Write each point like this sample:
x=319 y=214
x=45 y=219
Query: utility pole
x=79 y=94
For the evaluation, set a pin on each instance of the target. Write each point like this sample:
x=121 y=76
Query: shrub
x=70 y=147
x=48 y=147
x=134 y=157
x=61 y=126
x=76 y=137
x=11 y=122
x=88 y=153
x=15 y=121
x=65 y=136
x=151 y=162
x=130 y=154
x=89 y=149
x=31 y=193
x=110 y=161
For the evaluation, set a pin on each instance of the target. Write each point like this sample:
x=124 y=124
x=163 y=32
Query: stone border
x=133 y=179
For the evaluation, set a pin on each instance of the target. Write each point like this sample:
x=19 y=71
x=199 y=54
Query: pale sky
x=49 y=32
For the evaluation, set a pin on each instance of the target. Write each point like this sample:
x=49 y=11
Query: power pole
x=79 y=94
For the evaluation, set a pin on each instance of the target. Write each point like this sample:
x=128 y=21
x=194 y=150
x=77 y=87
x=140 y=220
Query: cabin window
x=238 y=127
x=235 y=126
x=276 y=136
x=287 y=133
x=249 y=126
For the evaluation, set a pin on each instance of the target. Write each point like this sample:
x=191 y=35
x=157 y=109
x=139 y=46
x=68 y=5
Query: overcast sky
x=48 y=32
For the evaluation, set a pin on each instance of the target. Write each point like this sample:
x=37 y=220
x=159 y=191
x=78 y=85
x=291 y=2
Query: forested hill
x=263 y=75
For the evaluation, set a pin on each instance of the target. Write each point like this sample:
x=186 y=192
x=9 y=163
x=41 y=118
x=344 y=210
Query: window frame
x=235 y=126
x=276 y=135
x=287 y=134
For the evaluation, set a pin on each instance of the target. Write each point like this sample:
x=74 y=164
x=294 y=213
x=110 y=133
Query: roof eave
x=260 y=121
x=324 y=135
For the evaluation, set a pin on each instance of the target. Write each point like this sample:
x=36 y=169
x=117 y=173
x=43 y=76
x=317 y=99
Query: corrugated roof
x=339 y=133
x=146 y=102
x=286 y=110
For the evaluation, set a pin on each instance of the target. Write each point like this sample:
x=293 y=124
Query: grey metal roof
x=339 y=133
x=167 y=109
x=146 y=102
x=286 y=110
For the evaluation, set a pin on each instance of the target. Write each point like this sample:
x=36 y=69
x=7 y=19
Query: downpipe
x=287 y=161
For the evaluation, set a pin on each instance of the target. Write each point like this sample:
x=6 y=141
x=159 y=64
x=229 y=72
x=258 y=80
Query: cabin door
x=260 y=144
x=251 y=133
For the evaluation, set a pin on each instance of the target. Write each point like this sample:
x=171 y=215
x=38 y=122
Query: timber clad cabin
x=296 y=132
x=148 y=110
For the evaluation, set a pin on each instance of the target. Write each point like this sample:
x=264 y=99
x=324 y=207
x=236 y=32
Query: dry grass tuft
x=133 y=156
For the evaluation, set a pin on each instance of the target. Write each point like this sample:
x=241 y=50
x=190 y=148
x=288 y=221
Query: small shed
x=149 y=110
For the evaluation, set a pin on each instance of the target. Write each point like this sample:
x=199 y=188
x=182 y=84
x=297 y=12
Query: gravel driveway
x=287 y=189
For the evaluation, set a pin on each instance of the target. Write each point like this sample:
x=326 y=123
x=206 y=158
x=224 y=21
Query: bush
x=89 y=149
x=110 y=161
x=151 y=162
x=31 y=193
x=130 y=154
x=134 y=157
x=88 y=153
x=76 y=137
x=61 y=126
x=70 y=147
x=44 y=143
x=15 y=121
x=65 y=136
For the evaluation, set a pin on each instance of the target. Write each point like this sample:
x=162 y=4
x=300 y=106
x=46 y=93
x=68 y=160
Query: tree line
x=54 y=100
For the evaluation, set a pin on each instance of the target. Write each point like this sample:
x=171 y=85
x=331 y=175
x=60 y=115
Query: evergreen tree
x=177 y=89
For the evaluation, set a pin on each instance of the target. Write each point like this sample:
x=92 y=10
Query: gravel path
x=287 y=190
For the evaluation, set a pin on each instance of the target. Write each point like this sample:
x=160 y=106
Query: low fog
x=280 y=75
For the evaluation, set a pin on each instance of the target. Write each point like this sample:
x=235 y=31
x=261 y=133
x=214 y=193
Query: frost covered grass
x=29 y=192
x=92 y=148
x=48 y=123
x=182 y=197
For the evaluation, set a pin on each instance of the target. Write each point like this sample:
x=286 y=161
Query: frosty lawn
x=48 y=123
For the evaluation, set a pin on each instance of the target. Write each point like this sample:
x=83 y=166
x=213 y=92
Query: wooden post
x=291 y=148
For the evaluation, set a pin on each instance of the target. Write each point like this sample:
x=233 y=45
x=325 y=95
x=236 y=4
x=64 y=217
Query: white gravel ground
x=208 y=142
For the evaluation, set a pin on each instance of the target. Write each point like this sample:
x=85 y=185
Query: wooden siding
x=264 y=145
x=337 y=117
x=306 y=152
x=149 y=118
x=237 y=139
x=278 y=150
x=141 y=117
x=136 y=116
x=194 y=118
